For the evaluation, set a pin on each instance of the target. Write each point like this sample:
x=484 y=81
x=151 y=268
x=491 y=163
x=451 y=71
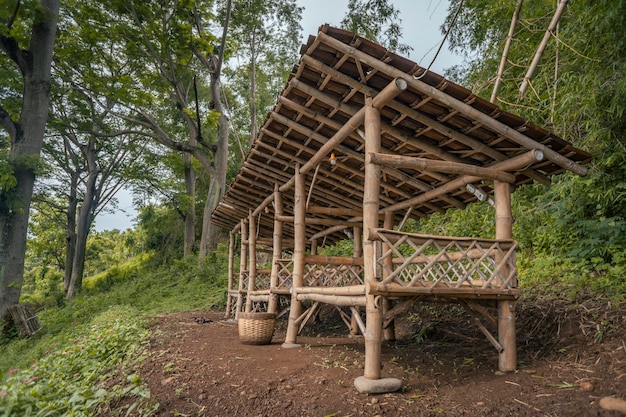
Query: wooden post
x=371 y=195
x=506 y=309
x=299 y=248
x=251 y=258
x=277 y=251
x=231 y=260
x=357 y=252
x=390 y=331
x=242 y=266
x=314 y=247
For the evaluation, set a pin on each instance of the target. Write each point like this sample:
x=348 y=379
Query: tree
x=579 y=91
x=27 y=34
x=378 y=21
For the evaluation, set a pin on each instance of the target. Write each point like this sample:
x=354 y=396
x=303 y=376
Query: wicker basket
x=256 y=328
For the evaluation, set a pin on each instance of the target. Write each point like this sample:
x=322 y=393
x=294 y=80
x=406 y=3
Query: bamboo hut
x=359 y=141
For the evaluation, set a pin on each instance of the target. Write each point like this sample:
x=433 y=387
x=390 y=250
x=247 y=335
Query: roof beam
x=456 y=104
x=512 y=164
x=385 y=96
x=422 y=164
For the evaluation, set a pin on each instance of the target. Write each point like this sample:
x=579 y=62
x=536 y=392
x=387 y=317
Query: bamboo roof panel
x=433 y=119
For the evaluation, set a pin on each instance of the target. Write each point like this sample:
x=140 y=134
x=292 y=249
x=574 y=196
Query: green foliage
x=67 y=378
x=376 y=20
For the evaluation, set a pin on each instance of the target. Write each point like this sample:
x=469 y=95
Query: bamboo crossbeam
x=427 y=121
x=423 y=164
x=397 y=290
x=333 y=260
x=387 y=94
x=340 y=291
x=395 y=235
x=512 y=164
x=337 y=300
x=458 y=105
x=334 y=211
x=450 y=257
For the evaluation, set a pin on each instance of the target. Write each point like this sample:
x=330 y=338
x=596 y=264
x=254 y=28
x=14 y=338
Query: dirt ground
x=198 y=367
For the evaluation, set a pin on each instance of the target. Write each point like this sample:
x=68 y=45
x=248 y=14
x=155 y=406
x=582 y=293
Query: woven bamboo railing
x=452 y=266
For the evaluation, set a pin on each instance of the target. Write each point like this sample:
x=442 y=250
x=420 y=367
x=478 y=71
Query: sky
x=420 y=21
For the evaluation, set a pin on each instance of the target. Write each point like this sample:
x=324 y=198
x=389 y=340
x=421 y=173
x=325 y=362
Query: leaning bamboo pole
x=252 y=259
x=299 y=226
x=277 y=249
x=373 y=331
x=506 y=308
x=542 y=46
x=505 y=52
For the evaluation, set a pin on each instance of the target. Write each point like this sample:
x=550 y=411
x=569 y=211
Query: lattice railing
x=285 y=272
x=332 y=271
x=414 y=261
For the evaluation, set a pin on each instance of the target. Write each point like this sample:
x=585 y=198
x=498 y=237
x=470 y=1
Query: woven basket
x=256 y=328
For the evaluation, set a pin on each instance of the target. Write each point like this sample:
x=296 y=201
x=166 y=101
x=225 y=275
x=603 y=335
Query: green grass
x=102 y=327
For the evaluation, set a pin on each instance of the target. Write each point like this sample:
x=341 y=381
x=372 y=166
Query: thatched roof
x=432 y=118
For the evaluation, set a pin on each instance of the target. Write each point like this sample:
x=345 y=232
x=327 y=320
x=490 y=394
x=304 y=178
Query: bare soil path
x=199 y=368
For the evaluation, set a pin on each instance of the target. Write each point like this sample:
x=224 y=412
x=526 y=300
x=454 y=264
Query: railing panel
x=424 y=261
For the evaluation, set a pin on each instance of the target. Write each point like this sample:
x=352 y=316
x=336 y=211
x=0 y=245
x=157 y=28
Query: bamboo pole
x=387 y=94
x=339 y=291
x=231 y=260
x=333 y=260
x=423 y=164
x=251 y=259
x=277 y=247
x=389 y=331
x=338 y=300
x=512 y=164
x=421 y=118
x=298 y=256
x=242 y=266
x=505 y=52
x=542 y=46
x=373 y=331
x=506 y=308
x=334 y=211
x=355 y=312
x=458 y=105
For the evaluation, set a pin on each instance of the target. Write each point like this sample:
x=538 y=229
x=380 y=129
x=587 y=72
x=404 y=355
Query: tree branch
x=9 y=125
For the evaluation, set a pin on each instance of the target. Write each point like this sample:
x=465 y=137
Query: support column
x=506 y=308
x=252 y=259
x=371 y=382
x=277 y=251
x=357 y=252
x=231 y=256
x=299 y=214
x=389 y=332
x=242 y=266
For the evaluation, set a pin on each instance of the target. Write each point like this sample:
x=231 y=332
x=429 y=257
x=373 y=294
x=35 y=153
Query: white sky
x=421 y=20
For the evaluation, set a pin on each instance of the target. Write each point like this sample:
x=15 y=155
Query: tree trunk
x=217 y=183
x=86 y=216
x=253 y=127
x=70 y=238
x=26 y=140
